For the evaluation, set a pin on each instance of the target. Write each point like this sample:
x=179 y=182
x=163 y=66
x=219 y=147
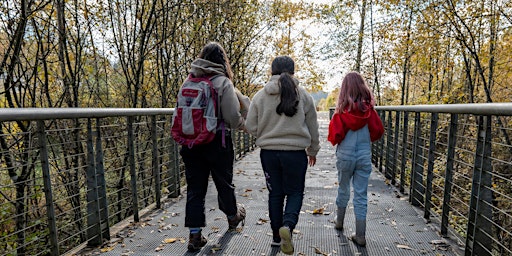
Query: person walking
x=354 y=125
x=216 y=157
x=283 y=118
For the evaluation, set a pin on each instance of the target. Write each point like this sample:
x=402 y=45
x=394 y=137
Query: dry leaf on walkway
x=261 y=221
x=159 y=248
x=403 y=246
x=216 y=247
x=107 y=249
x=318 y=211
x=170 y=240
x=441 y=241
x=318 y=251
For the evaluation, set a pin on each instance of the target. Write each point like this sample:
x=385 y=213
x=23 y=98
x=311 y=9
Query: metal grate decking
x=394 y=227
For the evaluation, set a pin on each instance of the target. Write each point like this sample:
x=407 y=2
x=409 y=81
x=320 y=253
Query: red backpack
x=194 y=121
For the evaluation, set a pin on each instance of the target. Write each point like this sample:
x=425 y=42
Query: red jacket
x=354 y=120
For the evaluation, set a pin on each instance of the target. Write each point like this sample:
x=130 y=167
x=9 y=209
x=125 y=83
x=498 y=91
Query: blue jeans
x=201 y=161
x=285 y=174
x=353 y=161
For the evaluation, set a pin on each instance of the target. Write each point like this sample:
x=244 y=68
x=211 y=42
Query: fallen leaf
x=441 y=241
x=261 y=221
x=159 y=248
x=403 y=246
x=216 y=247
x=318 y=211
x=107 y=249
x=318 y=251
x=170 y=240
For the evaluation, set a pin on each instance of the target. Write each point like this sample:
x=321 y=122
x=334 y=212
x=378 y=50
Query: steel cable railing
x=455 y=162
x=68 y=175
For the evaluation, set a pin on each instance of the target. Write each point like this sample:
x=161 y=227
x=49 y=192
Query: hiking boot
x=239 y=217
x=276 y=239
x=286 y=240
x=196 y=242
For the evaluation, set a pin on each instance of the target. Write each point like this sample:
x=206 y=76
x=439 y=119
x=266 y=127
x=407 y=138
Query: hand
x=312 y=160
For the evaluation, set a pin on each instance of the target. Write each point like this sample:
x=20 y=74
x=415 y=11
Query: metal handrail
x=499 y=109
x=27 y=114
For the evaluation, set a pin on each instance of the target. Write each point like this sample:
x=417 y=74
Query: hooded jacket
x=354 y=120
x=229 y=103
x=281 y=132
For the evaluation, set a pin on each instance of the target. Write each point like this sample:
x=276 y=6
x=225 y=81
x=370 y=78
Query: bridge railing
x=455 y=162
x=68 y=175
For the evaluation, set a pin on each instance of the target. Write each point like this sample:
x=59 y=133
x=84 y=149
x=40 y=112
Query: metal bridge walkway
x=394 y=227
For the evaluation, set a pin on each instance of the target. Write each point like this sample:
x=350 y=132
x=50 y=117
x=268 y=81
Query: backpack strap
x=219 y=112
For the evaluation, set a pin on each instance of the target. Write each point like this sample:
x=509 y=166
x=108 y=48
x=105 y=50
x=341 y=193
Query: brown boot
x=196 y=242
x=239 y=217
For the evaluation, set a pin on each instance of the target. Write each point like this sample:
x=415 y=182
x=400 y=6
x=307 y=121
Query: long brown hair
x=354 y=94
x=215 y=53
x=285 y=67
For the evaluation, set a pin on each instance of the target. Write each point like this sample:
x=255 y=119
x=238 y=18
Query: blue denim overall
x=353 y=161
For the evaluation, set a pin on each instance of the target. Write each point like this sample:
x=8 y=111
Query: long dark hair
x=285 y=67
x=214 y=52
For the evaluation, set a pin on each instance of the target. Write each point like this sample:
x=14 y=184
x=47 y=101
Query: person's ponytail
x=289 y=96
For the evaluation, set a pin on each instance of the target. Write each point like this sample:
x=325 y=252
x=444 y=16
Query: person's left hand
x=312 y=160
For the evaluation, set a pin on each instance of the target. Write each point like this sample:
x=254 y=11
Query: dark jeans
x=201 y=161
x=285 y=174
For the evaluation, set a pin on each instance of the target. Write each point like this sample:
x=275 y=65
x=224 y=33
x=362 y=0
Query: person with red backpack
x=210 y=76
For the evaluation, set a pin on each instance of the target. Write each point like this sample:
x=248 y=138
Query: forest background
x=135 y=53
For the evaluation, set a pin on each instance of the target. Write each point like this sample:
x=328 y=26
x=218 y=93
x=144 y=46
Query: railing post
x=404 y=151
x=174 y=171
x=102 y=185
x=155 y=161
x=478 y=239
x=389 y=132
x=133 y=173
x=374 y=150
x=47 y=182
x=430 y=168
x=395 y=147
x=381 y=142
x=97 y=208
x=93 y=208
x=416 y=191
x=450 y=156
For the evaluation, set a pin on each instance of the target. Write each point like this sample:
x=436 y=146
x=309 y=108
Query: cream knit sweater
x=280 y=132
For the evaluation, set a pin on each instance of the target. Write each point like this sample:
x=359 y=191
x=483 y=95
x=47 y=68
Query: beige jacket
x=280 y=132
x=229 y=97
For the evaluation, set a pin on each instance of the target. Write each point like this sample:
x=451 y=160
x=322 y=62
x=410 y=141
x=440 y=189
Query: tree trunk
x=360 y=37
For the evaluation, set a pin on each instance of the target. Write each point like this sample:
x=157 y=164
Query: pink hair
x=354 y=94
